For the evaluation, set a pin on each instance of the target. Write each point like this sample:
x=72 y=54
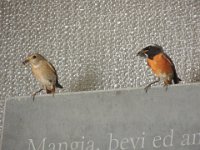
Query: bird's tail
x=176 y=79
x=58 y=85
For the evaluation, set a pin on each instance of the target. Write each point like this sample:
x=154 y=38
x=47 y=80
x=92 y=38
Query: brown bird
x=44 y=72
x=161 y=65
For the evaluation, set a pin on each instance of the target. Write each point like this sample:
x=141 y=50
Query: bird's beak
x=25 y=61
x=142 y=53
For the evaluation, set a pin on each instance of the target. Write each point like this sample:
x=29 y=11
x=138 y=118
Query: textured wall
x=92 y=43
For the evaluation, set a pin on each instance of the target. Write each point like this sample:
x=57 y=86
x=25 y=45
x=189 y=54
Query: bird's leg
x=33 y=95
x=149 y=85
x=166 y=87
x=53 y=90
x=166 y=83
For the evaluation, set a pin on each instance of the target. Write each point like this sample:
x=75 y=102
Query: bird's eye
x=34 y=57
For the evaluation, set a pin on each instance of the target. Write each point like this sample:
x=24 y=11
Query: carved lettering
x=40 y=147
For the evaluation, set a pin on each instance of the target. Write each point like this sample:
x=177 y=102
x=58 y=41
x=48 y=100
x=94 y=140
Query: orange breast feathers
x=160 y=64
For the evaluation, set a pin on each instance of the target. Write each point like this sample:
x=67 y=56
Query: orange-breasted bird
x=161 y=65
x=44 y=72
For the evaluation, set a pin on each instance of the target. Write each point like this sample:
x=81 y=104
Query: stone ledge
x=105 y=120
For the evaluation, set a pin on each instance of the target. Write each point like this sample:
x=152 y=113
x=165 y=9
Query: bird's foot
x=33 y=96
x=147 y=88
x=166 y=87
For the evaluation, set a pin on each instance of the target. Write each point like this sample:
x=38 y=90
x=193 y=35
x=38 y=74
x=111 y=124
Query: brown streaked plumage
x=44 y=72
x=161 y=64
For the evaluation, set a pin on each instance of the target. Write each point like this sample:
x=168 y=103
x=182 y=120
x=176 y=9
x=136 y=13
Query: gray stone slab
x=127 y=119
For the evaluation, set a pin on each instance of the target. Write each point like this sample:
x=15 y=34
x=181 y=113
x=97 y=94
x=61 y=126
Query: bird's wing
x=176 y=78
x=51 y=67
x=169 y=60
x=54 y=70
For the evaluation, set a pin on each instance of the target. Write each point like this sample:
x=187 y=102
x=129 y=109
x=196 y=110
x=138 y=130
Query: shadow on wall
x=87 y=81
x=195 y=76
